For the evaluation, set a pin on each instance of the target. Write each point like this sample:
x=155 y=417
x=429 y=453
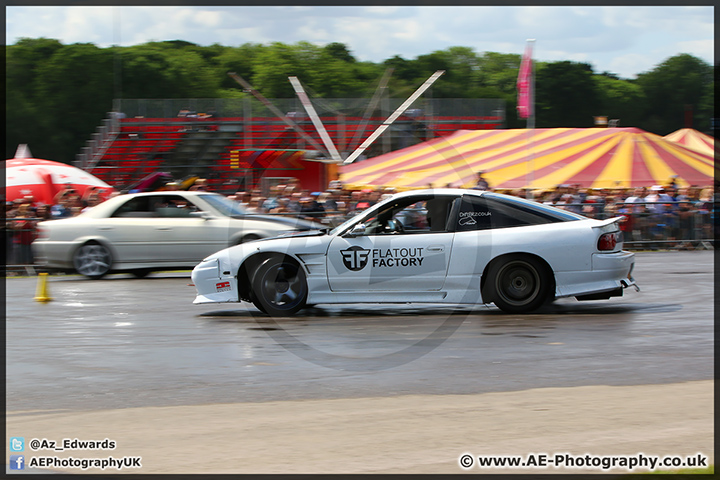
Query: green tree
x=273 y=65
x=679 y=83
x=23 y=104
x=75 y=91
x=462 y=70
x=340 y=52
x=240 y=60
x=623 y=100
x=499 y=71
x=566 y=95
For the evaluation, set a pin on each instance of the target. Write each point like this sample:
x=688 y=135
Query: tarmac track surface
x=122 y=342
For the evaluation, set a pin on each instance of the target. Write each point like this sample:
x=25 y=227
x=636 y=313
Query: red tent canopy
x=536 y=158
x=43 y=179
x=693 y=139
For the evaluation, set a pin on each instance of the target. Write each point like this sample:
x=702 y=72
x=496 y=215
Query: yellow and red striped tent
x=536 y=158
x=693 y=139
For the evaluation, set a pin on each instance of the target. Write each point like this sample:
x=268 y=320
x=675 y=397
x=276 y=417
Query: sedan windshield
x=224 y=205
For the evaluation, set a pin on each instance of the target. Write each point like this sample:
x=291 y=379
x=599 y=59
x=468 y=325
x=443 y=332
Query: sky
x=624 y=40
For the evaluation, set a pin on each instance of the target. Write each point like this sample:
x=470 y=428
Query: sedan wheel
x=279 y=287
x=518 y=284
x=92 y=260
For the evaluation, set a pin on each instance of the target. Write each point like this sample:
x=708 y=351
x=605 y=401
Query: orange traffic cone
x=42 y=295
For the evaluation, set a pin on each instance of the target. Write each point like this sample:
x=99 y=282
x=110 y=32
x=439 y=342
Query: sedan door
x=184 y=232
x=132 y=231
x=405 y=246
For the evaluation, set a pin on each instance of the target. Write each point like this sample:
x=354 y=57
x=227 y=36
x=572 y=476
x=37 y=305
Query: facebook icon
x=17 y=462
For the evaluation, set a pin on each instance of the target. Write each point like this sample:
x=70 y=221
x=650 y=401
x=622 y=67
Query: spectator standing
x=365 y=200
x=282 y=207
x=92 y=199
x=312 y=209
x=706 y=212
x=294 y=201
x=61 y=208
x=10 y=213
x=686 y=200
x=272 y=199
x=200 y=184
x=480 y=182
x=243 y=198
x=255 y=205
x=637 y=208
x=662 y=212
x=24 y=226
x=42 y=212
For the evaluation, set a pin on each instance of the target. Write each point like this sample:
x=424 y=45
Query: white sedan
x=150 y=231
x=429 y=246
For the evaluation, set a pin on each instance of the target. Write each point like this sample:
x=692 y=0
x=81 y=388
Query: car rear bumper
x=609 y=272
x=53 y=254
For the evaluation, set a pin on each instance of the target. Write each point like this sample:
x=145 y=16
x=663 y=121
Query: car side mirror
x=357 y=230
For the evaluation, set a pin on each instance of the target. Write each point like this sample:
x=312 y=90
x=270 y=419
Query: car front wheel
x=279 y=287
x=92 y=260
x=518 y=284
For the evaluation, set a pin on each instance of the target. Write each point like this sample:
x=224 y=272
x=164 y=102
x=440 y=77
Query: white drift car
x=428 y=246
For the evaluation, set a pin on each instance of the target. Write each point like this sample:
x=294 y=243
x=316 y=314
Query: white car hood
x=297 y=244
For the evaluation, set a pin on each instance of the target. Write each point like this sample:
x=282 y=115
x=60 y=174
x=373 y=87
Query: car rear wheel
x=279 y=287
x=92 y=260
x=518 y=284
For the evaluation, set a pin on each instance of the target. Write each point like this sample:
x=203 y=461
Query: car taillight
x=608 y=241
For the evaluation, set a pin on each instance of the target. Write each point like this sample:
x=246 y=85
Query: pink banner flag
x=524 y=87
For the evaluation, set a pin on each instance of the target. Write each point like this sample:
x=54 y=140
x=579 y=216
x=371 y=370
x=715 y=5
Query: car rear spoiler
x=607 y=222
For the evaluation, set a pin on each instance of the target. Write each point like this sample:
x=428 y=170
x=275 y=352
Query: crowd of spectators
x=330 y=207
x=668 y=213
x=677 y=215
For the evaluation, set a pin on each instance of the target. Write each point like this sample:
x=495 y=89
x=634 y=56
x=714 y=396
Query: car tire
x=279 y=287
x=141 y=272
x=518 y=284
x=92 y=260
x=258 y=305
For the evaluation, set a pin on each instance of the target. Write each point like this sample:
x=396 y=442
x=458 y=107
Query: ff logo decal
x=223 y=286
x=355 y=258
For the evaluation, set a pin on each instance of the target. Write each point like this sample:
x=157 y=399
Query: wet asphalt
x=125 y=342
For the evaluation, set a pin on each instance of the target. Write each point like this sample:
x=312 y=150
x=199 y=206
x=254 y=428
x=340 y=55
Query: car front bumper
x=211 y=285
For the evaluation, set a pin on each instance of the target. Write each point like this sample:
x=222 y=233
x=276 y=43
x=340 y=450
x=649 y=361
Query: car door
x=131 y=230
x=405 y=246
x=184 y=232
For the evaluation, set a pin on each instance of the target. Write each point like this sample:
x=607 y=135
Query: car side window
x=474 y=214
x=426 y=215
x=136 y=207
x=172 y=206
x=479 y=213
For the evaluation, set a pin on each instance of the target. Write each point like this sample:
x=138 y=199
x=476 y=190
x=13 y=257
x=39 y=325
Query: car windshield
x=224 y=205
